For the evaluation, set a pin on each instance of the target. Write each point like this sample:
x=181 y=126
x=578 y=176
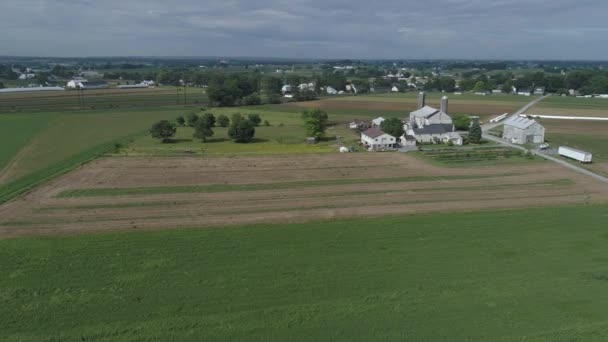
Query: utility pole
x=185 y=95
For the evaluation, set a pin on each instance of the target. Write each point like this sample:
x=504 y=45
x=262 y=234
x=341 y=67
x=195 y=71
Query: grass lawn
x=596 y=144
x=572 y=102
x=533 y=274
x=285 y=135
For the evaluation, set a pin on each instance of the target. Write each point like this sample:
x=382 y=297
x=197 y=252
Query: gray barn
x=521 y=130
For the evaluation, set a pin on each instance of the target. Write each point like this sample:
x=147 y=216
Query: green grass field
x=473 y=276
x=42 y=145
x=571 y=102
x=596 y=144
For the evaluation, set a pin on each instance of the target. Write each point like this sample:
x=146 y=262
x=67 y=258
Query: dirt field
x=281 y=189
x=484 y=110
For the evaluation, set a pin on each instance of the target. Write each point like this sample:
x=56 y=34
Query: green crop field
x=100 y=99
x=572 y=102
x=486 y=276
x=465 y=156
x=42 y=145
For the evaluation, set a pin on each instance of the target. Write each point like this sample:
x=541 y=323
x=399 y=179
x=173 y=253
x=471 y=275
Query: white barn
x=376 y=139
x=431 y=125
x=521 y=130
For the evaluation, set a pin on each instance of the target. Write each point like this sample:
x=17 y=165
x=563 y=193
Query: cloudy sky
x=480 y=29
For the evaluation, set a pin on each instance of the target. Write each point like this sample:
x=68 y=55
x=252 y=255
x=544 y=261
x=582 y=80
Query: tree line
x=241 y=129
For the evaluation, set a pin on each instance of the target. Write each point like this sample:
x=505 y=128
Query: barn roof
x=519 y=122
x=424 y=112
x=433 y=129
x=373 y=132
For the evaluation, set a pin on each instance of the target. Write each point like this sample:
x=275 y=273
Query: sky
x=355 y=29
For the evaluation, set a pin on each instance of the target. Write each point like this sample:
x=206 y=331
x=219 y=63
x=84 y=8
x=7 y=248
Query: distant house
x=377 y=121
x=375 y=139
x=524 y=92
x=521 y=130
x=497 y=91
x=394 y=89
x=482 y=93
x=131 y=86
x=27 y=76
x=539 y=91
x=331 y=91
x=286 y=89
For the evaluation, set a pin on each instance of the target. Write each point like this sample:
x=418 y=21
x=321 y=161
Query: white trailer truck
x=581 y=156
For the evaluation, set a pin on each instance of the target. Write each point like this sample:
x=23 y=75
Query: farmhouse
x=375 y=139
x=521 y=130
x=431 y=125
x=539 y=91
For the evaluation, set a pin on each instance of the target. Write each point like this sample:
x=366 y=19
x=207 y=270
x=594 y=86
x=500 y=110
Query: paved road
x=524 y=109
x=538 y=152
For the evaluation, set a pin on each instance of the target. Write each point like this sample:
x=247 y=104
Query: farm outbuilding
x=521 y=130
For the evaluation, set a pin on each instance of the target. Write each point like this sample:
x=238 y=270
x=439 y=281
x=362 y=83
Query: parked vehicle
x=581 y=156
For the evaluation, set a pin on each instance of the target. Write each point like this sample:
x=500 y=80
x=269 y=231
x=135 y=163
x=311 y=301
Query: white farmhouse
x=375 y=139
x=521 y=130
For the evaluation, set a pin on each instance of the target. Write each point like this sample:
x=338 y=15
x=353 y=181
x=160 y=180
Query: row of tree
x=241 y=129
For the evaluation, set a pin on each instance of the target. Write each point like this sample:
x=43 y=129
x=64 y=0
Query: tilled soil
x=513 y=186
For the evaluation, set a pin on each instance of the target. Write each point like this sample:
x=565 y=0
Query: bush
x=255 y=119
x=241 y=130
x=192 y=119
x=180 y=120
x=252 y=100
x=266 y=123
x=223 y=121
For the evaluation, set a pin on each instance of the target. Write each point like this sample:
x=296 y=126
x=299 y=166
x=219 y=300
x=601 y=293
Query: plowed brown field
x=421 y=188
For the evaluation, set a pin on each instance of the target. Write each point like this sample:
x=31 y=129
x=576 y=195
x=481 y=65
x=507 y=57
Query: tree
x=180 y=120
x=271 y=85
x=315 y=122
x=192 y=119
x=462 y=122
x=1 y=85
x=163 y=130
x=241 y=130
x=223 y=120
x=448 y=84
x=507 y=87
x=203 y=128
x=475 y=133
x=208 y=119
x=479 y=86
x=252 y=100
x=274 y=98
x=255 y=119
x=392 y=126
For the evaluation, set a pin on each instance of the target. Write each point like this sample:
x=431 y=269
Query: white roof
x=453 y=135
x=519 y=122
x=424 y=112
x=378 y=121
